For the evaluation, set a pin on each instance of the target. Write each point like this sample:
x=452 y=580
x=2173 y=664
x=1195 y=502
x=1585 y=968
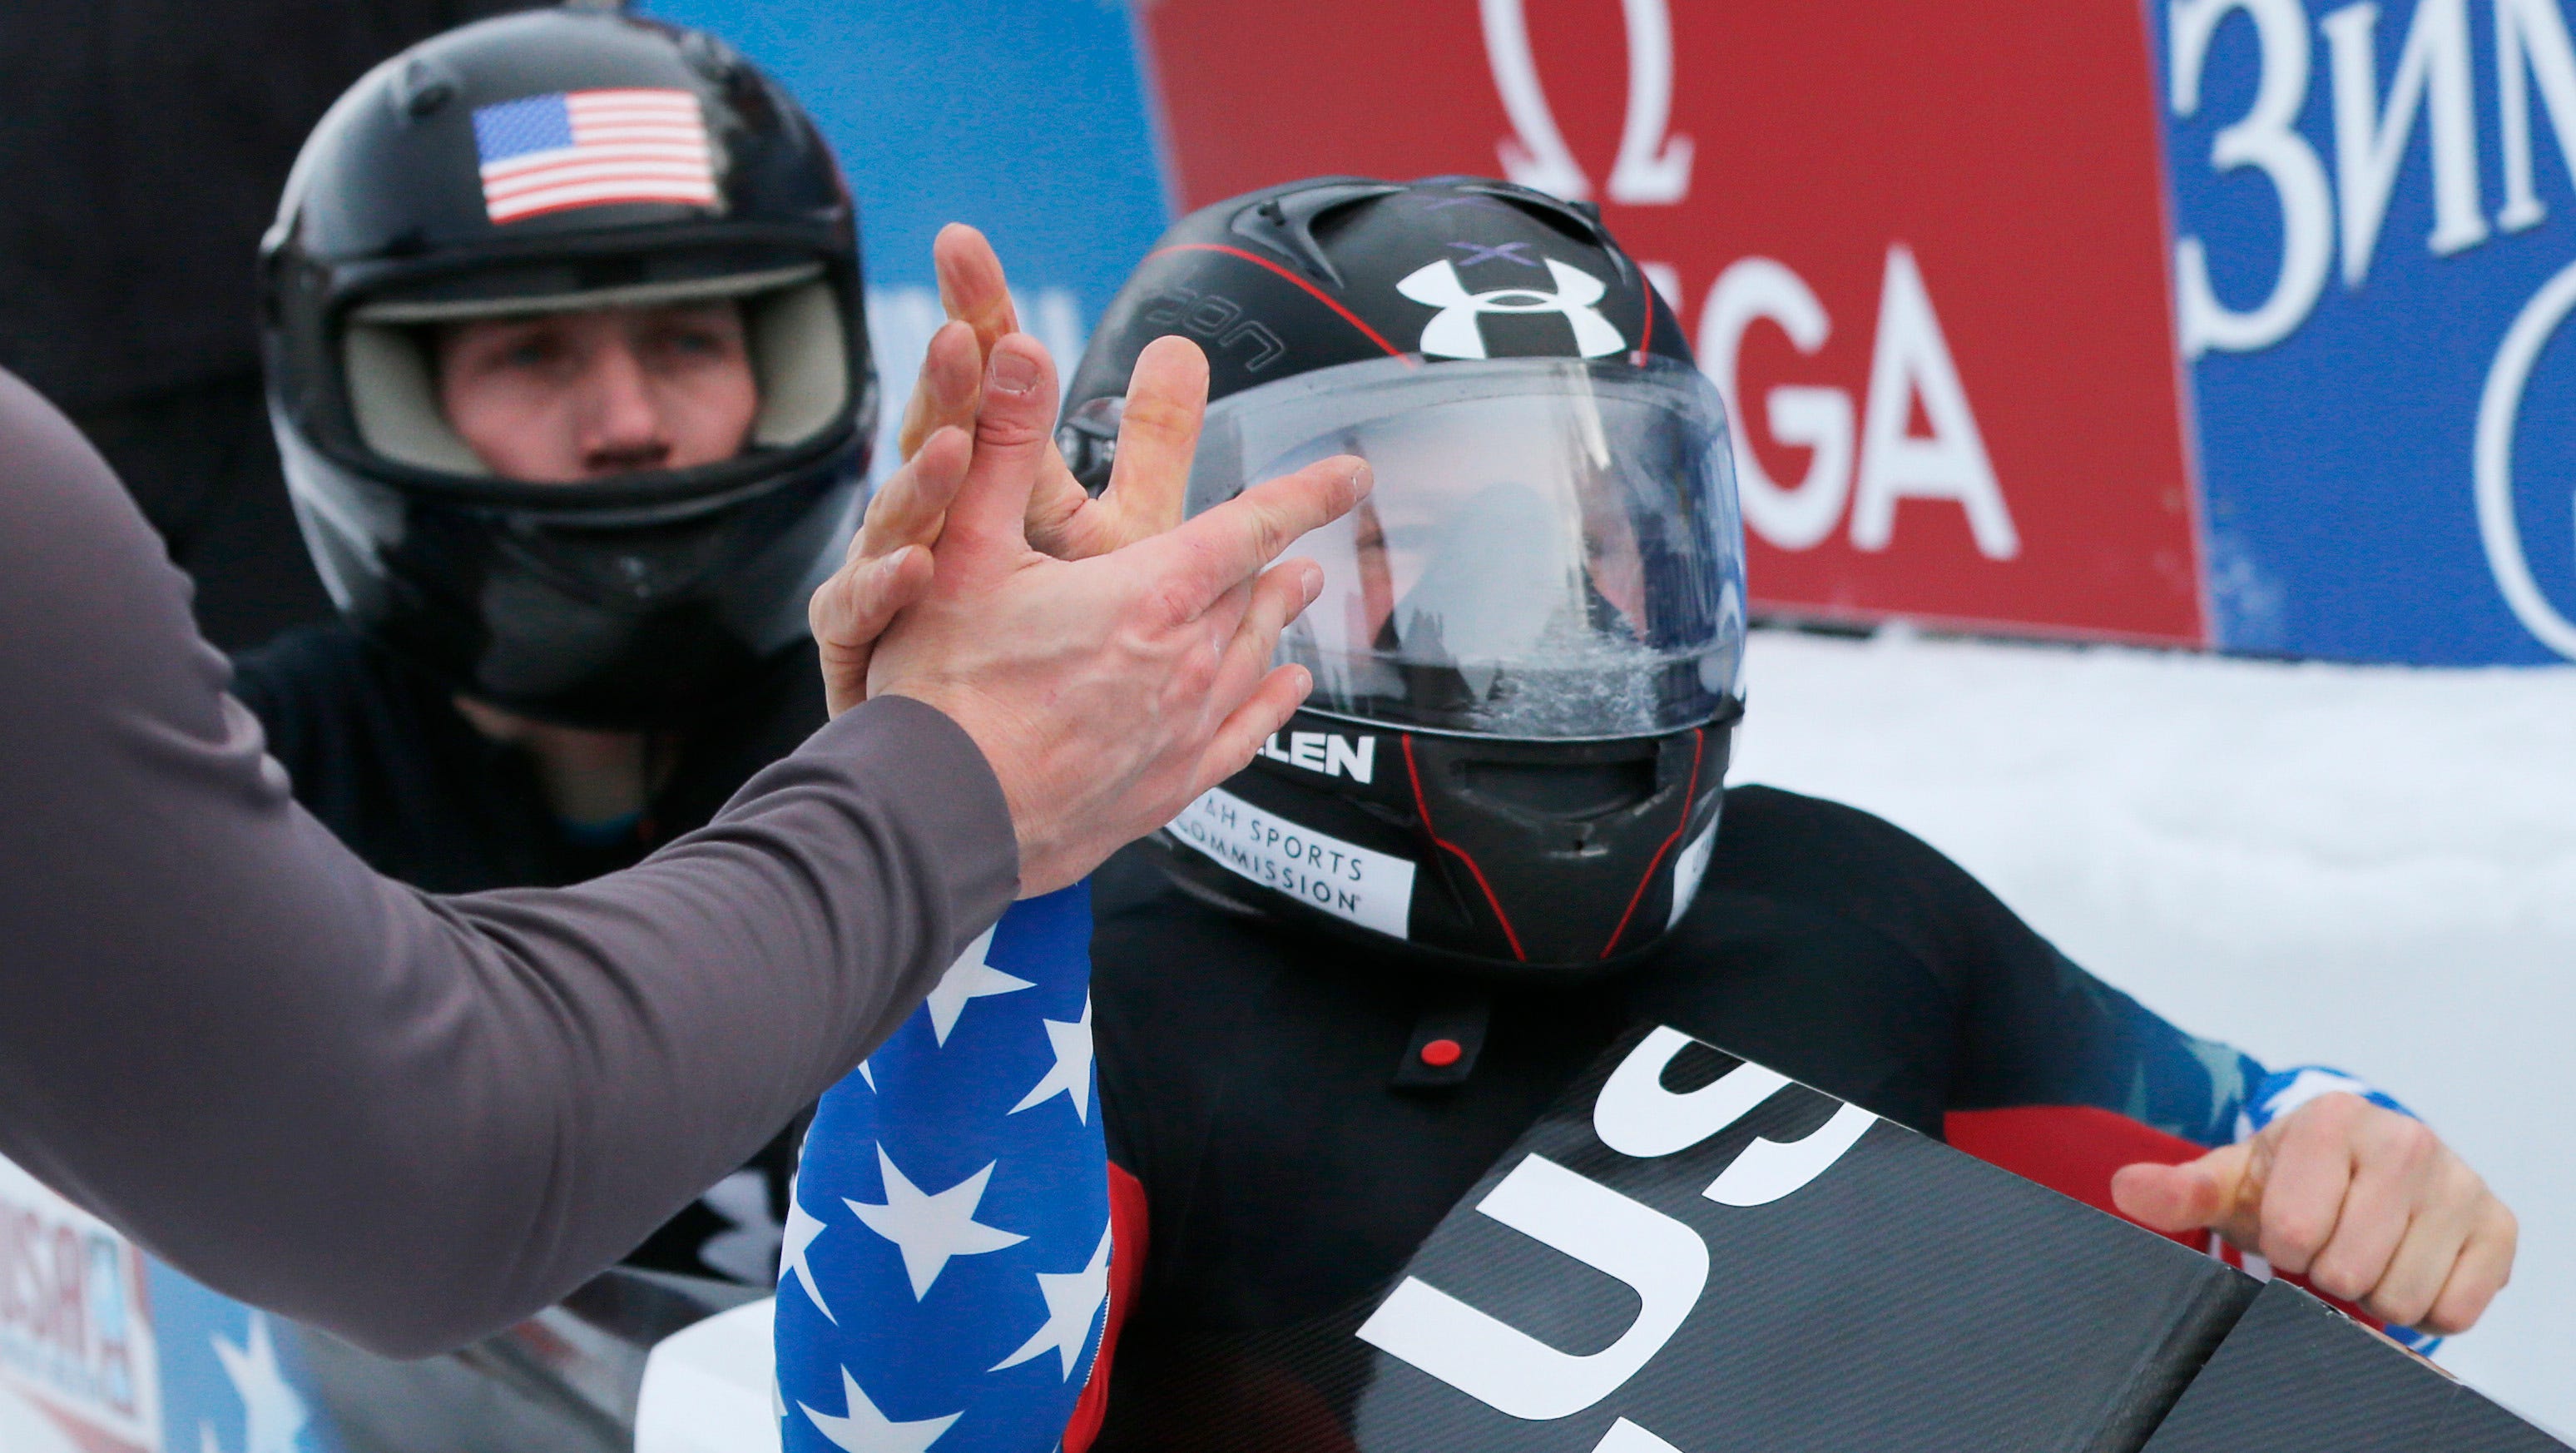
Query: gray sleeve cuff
x=933 y=774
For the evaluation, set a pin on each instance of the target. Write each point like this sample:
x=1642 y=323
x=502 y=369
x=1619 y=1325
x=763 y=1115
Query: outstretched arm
x=412 y=1120
x=2310 y=1169
x=408 y=1119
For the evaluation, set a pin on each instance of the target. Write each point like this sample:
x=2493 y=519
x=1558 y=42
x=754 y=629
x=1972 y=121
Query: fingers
x=2415 y=1271
x=1158 y=433
x=2312 y=1165
x=880 y=591
x=1222 y=548
x=1268 y=696
x=910 y=506
x=1267 y=710
x=2370 y=1206
x=2485 y=1264
x=1252 y=639
x=948 y=389
x=2178 y=1198
x=1013 y=435
x=972 y=286
x=853 y=608
x=2392 y=1158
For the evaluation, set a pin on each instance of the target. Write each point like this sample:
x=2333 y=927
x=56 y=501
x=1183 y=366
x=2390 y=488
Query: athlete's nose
x=622 y=426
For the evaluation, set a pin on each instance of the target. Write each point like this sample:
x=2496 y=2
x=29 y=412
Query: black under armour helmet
x=1529 y=646
x=548 y=162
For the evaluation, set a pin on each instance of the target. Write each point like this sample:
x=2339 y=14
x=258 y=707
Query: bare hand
x=1166 y=400
x=888 y=568
x=2367 y=1204
x=1166 y=396
x=1105 y=692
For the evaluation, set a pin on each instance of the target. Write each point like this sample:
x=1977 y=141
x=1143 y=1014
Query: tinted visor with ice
x=1551 y=551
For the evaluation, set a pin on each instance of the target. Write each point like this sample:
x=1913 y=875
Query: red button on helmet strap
x=1448 y=1034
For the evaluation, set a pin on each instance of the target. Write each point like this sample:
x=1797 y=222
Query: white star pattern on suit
x=949 y=1153
x=931 y=1229
x=968 y=978
x=865 y=1430
x=792 y=1252
x=1073 y=1300
x=1071 y=1076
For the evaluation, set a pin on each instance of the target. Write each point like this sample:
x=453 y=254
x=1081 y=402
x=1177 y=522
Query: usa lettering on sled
x=1693 y=1252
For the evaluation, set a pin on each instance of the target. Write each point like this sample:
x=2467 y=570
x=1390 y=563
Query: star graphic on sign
x=1073 y=1301
x=968 y=978
x=931 y=1229
x=865 y=1430
x=801 y=1231
x=1071 y=1076
x=275 y=1414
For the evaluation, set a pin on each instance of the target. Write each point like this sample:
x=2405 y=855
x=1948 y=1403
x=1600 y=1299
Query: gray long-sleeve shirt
x=405 y=1118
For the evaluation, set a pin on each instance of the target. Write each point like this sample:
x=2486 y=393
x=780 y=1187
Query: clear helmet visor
x=1551 y=550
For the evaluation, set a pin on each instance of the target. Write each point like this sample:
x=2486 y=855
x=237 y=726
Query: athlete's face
x=564 y=398
x=1452 y=508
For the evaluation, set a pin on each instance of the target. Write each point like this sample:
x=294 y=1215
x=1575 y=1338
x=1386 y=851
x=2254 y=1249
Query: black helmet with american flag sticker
x=554 y=161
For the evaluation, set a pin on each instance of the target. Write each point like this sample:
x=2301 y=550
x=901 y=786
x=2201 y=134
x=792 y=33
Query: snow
x=2369 y=867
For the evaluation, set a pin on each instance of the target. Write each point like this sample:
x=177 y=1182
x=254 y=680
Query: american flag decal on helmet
x=591 y=149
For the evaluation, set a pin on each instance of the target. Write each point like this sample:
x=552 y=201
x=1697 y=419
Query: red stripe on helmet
x=1312 y=291
x=1690 y=795
x=1423 y=808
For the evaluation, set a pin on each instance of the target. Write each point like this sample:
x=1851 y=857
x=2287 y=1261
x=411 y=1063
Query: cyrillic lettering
x=2267 y=139
x=2370 y=141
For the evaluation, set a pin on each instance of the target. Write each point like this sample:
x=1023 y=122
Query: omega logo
x=1653 y=167
x=1865 y=458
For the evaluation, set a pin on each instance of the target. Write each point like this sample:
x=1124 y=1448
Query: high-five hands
x=1111 y=662
x=889 y=563
x=1166 y=399
x=2366 y=1203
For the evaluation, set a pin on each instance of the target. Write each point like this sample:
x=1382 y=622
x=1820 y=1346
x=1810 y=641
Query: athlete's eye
x=696 y=342
x=691 y=336
x=1411 y=537
x=531 y=350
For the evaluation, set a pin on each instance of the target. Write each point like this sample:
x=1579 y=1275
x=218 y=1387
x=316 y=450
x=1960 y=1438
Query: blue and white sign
x=2375 y=252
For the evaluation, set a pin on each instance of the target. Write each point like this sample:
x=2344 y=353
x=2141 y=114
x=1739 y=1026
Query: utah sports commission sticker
x=1371 y=889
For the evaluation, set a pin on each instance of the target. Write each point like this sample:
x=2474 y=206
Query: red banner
x=1920 y=246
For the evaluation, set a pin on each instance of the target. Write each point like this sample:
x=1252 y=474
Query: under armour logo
x=1455 y=333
